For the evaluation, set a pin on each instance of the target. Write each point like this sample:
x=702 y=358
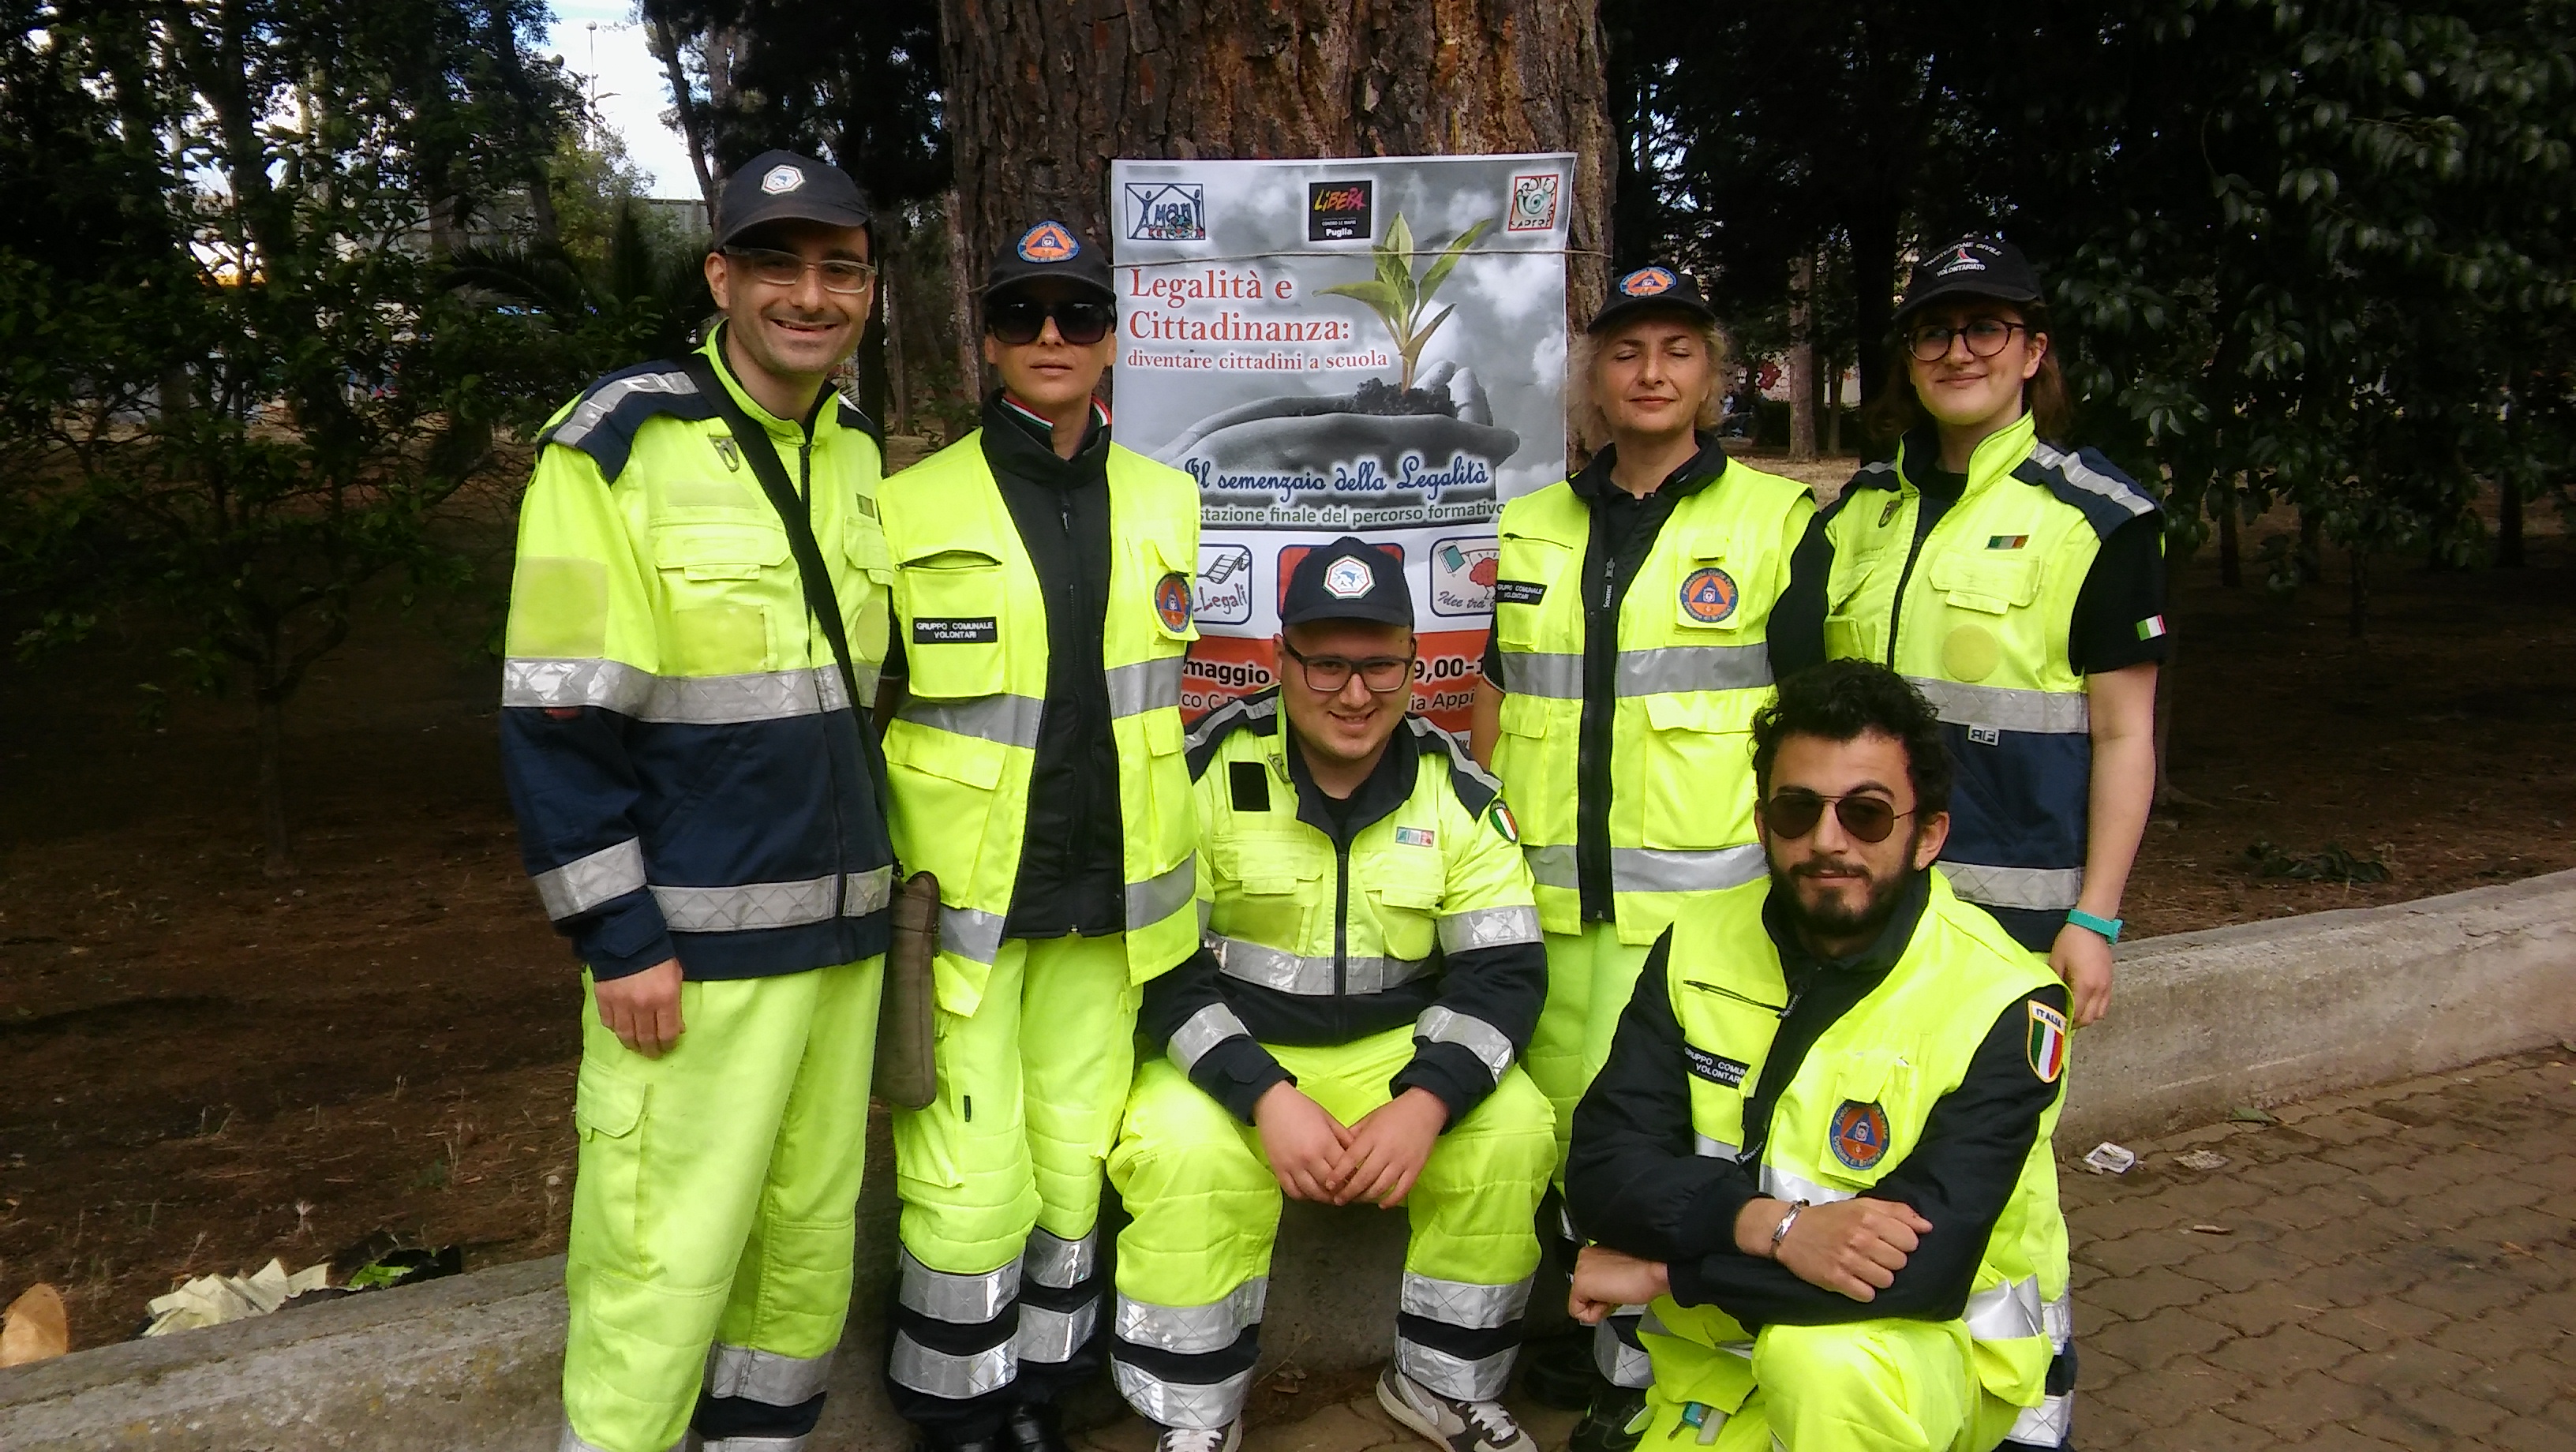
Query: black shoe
x=1030 y=1427
x=1613 y=1423
x=1558 y=1371
x=994 y=1443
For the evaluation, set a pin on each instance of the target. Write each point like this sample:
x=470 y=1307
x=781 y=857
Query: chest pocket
x=1528 y=570
x=952 y=609
x=1710 y=600
x=1861 y=1115
x=1991 y=582
x=1171 y=586
x=1403 y=886
x=718 y=577
x=1727 y=1037
x=1268 y=885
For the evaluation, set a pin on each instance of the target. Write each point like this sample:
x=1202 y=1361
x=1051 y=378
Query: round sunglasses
x=1018 y=321
x=1794 y=812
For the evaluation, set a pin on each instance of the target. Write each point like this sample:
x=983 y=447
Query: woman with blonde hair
x=1632 y=644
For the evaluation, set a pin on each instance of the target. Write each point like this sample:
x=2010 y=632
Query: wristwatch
x=2109 y=928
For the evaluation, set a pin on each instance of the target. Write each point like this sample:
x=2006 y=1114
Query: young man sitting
x=1372 y=970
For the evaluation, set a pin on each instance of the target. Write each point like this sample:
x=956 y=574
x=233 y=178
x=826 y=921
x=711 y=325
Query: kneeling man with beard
x=1819 y=1152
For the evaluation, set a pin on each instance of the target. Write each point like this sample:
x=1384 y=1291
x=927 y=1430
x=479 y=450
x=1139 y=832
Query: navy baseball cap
x=1051 y=249
x=1973 y=266
x=1651 y=289
x=1349 y=579
x=781 y=186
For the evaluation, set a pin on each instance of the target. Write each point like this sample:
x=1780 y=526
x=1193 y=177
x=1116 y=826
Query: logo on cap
x=1648 y=281
x=1348 y=578
x=1964 y=261
x=1048 y=242
x=781 y=178
x=1709 y=595
x=1172 y=602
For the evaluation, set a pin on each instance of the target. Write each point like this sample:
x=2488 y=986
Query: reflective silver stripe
x=1010 y=720
x=1312 y=977
x=1709 y=1147
x=1480 y=1380
x=2059 y=1317
x=2093 y=481
x=2049 y=713
x=1464 y=1303
x=970 y=933
x=752 y=1444
x=955 y=1377
x=960 y=1300
x=679 y=700
x=1049 y=1335
x=1660 y=869
x=751 y=905
x=1448 y=1026
x=1779 y=1184
x=1742 y=1349
x=1157 y=898
x=2045 y=1425
x=1623 y=1364
x=765 y=1376
x=1493 y=927
x=1193 y=1330
x=1057 y=1263
x=1650 y=1324
x=1557 y=676
x=586 y=882
x=1554 y=866
x=1202 y=1031
x=1676 y=668
x=2008 y=1312
x=1144 y=685
x=572 y=1441
x=1194 y=1408
x=2041 y=889
x=867 y=892
x=587 y=414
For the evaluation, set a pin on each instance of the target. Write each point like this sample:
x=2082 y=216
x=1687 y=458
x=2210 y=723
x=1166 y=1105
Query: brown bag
x=907 y=1074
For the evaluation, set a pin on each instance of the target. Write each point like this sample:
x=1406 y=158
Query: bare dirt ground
x=205 y=1068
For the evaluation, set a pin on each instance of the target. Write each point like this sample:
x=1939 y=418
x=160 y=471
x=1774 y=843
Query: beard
x=1836 y=917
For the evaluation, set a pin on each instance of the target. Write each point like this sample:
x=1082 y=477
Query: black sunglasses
x=1018 y=321
x=1794 y=813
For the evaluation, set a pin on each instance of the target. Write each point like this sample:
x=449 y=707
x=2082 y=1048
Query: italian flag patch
x=2047 y=1042
x=2151 y=627
x=1501 y=817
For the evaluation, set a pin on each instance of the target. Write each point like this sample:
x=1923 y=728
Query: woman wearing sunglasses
x=2021 y=587
x=1042 y=590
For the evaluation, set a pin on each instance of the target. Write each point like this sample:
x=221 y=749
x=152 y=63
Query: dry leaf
x=35 y=1327
x=2211 y=1230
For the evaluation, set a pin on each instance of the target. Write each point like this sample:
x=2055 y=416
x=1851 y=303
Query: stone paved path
x=2389 y=1268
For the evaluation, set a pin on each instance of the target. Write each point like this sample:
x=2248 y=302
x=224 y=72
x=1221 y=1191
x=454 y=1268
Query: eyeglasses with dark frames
x=1382 y=674
x=1986 y=337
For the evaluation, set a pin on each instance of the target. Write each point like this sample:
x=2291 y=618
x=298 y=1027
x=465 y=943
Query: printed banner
x=1371 y=347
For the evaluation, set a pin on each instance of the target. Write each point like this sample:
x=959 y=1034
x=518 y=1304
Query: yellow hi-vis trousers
x=999 y=1287
x=1591 y=975
x=1864 y=1386
x=714 y=1213
x=1193 y=1266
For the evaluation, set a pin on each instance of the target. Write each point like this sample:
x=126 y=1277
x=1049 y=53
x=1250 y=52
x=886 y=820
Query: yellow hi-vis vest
x=1857 y=1106
x=1978 y=619
x=960 y=753
x=1694 y=665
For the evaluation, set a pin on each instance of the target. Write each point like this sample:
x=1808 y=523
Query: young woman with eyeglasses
x=2020 y=587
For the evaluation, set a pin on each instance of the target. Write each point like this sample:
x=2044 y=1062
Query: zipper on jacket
x=1341 y=917
x=1904 y=577
x=1781 y=1009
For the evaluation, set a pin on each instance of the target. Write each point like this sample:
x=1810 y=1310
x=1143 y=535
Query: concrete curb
x=2252 y=1014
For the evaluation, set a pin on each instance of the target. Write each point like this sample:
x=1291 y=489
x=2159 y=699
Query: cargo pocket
x=718 y=578
x=952 y=610
x=1267 y=887
x=1403 y=888
x=1699 y=769
x=608 y=1210
x=925 y=1140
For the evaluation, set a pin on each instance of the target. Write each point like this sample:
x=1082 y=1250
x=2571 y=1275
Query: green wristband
x=2109 y=928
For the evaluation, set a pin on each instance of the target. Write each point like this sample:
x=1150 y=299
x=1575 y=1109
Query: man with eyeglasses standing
x=1043 y=585
x=1819 y=1151
x=696 y=618
x=1372 y=972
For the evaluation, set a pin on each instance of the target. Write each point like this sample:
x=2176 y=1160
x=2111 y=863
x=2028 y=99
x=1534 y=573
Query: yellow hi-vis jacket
x=960 y=752
x=1693 y=665
x=1857 y=1106
x=1977 y=615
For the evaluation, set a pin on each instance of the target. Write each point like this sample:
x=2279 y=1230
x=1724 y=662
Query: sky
x=615 y=67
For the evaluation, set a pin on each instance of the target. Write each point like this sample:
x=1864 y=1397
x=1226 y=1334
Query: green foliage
x=1399 y=298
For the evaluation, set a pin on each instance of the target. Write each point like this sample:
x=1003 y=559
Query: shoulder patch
x=1257 y=713
x=602 y=422
x=1248 y=785
x=2091 y=483
x=2048 y=1036
x=1475 y=786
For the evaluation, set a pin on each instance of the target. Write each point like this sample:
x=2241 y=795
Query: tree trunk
x=1873 y=227
x=1802 y=359
x=664 y=42
x=2310 y=562
x=1042 y=94
x=2231 y=553
x=1834 y=407
x=271 y=738
x=2508 y=550
x=898 y=382
x=965 y=269
x=2359 y=620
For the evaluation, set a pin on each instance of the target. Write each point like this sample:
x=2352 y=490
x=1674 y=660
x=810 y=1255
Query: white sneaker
x=1449 y=1424
x=1191 y=1439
